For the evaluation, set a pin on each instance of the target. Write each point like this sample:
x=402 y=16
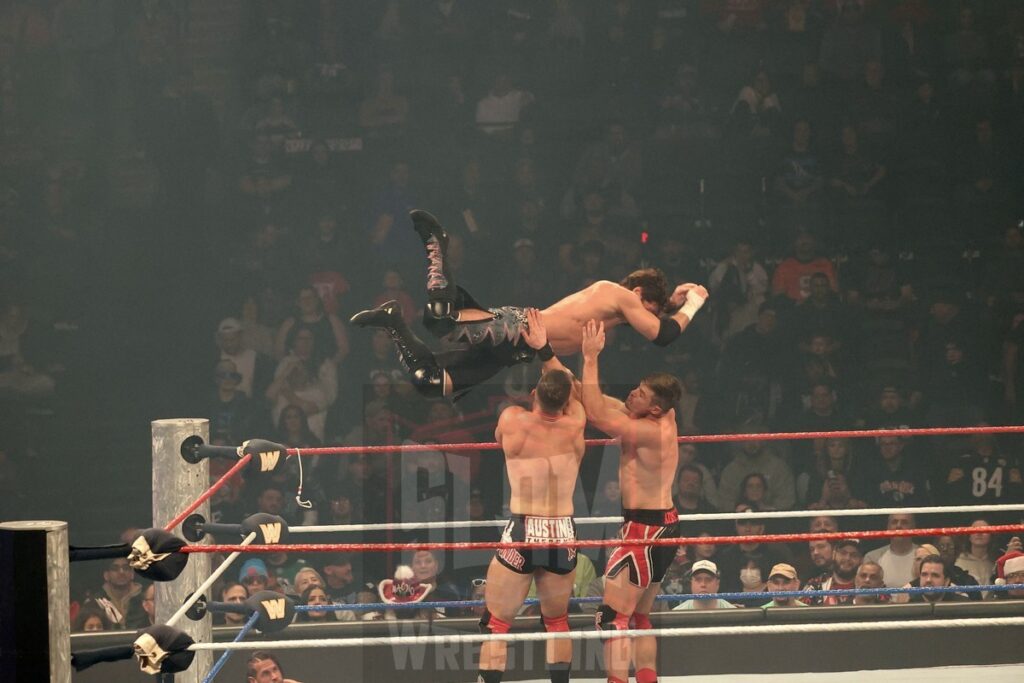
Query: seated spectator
x=858 y=205
x=956 y=575
x=983 y=183
x=254 y=576
x=314 y=595
x=744 y=566
x=870 y=575
x=933 y=575
x=896 y=558
x=277 y=126
x=304 y=379
x=847 y=557
x=148 y=616
x=704 y=580
x=232 y=414
x=783 y=577
x=92 y=618
x=293 y=429
x=23 y=375
x=756 y=456
x=878 y=284
x=384 y=112
x=823 y=314
x=1010 y=569
x=306 y=577
x=235 y=594
x=498 y=112
x=798 y=184
x=689 y=497
x=338 y=575
x=818 y=560
x=688 y=455
x=254 y=369
x=891 y=411
x=792 y=277
x=873 y=109
x=753 y=489
x=738 y=284
x=983 y=475
x=849 y=43
x=967 y=53
x=263 y=667
x=978 y=557
x=329 y=333
x=123 y=592
x=892 y=477
x=677 y=577
x=829 y=485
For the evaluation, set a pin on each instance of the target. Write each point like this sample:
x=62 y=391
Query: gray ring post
x=176 y=484
x=35 y=619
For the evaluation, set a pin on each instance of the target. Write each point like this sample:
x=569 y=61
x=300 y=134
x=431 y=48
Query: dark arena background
x=197 y=195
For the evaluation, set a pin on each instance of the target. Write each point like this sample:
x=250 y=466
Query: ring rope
x=208 y=493
x=839 y=627
x=604 y=542
x=674 y=597
x=226 y=655
x=205 y=585
x=709 y=516
x=693 y=438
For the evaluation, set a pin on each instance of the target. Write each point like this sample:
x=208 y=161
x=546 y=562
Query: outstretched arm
x=664 y=330
x=604 y=416
x=536 y=337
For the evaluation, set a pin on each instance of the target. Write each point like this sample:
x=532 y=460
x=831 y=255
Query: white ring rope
x=205 y=585
x=841 y=627
x=710 y=516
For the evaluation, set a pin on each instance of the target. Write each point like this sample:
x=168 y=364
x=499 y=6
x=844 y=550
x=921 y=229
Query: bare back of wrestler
x=646 y=426
x=543 y=449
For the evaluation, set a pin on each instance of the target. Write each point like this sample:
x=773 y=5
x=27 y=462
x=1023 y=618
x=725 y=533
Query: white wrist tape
x=692 y=305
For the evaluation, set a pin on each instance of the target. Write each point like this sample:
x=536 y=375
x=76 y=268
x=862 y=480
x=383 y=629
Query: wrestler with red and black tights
x=646 y=425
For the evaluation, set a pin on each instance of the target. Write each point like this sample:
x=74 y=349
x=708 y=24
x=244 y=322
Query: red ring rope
x=603 y=543
x=208 y=493
x=696 y=438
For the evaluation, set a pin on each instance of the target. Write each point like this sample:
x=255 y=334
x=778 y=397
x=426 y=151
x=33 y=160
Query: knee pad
x=429 y=381
x=440 y=317
x=492 y=624
x=642 y=621
x=556 y=624
x=607 y=619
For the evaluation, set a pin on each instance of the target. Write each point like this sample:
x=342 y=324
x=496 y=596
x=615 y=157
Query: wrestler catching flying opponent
x=543 y=448
x=479 y=342
x=646 y=425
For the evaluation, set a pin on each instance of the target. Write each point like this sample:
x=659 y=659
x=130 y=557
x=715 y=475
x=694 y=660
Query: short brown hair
x=666 y=389
x=256 y=658
x=553 y=390
x=652 y=283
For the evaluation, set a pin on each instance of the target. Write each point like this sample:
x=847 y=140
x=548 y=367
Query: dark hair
x=87 y=611
x=228 y=585
x=553 y=390
x=935 y=559
x=652 y=283
x=690 y=468
x=666 y=388
x=256 y=658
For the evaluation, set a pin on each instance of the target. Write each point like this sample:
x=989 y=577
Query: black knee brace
x=429 y=381
x=607 y=619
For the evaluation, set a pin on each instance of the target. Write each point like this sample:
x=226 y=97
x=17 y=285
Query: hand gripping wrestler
x=646 y=425
x=543 y=448
x=477 y=342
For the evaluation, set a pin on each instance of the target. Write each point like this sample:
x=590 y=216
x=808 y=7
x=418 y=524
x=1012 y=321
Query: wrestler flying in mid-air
x=477 y=342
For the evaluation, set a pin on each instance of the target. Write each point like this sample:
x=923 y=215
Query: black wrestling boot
x=425 y=374
x=441 y=290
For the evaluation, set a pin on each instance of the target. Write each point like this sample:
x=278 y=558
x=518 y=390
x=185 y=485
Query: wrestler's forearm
x=593 y=399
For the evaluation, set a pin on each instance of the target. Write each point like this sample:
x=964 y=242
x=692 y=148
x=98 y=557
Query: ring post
x=176 y=484
x=35 y=620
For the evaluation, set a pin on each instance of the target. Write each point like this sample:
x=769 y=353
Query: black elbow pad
x=667 y=332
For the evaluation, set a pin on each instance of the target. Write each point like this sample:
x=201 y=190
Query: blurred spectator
x=306 y=577
x=756 y=111
x=254 y=369
x=818 y=560
x=123 y=592
x=148 y=615
x=829 y=486
x=704 y=580
x=869 y=575
x=293 y=429
x=92 y=618
x=689 y=498
x=892 y=477
x=232 y=415
x=978 y=557
x=305 y=379
x=753 y=489
x=311 y=314
x=967 y=53
x=792 y=277
x=1011 y=569
x=235 y=594
x=744 y=566
x=677 y=578
x=873 y=111
x=526 y=279
x=612 y=163
x=891 y=410
x=498 y=112
x=933 y=575
x=849 y=43
x=339 y=579
x=388 y=231
x=847 y=557
x=23 y=372
x=254 y=576
x=384 y=112
x=858 y=205
x=783 y=577
x=751 y=457
x=982 y=193
x=738 y=284
x=983 y=475
x=896 y=558
x=688 y=455
x=824 y=314
x=798 y=185
x=315 y=596
x=956 y=575
x=256 y=333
